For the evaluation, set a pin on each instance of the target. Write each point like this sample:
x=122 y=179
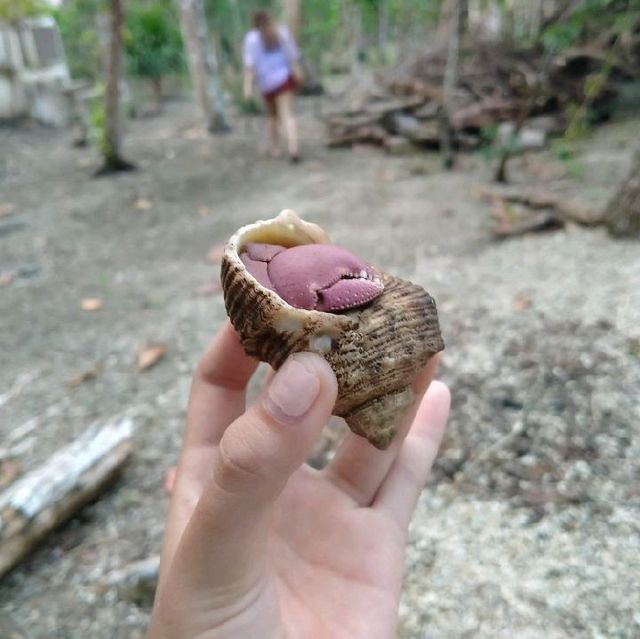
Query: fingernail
x=292 y=392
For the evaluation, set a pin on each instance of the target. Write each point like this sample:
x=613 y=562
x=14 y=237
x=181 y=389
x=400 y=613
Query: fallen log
x=536 y=223
x=428 y=111
x=47 y=496
x=483 y=114
x=413 y=129
x=566 y=209
x=352 y=121
x=424 y=90
x=397 y=145
x=622 y=213
x=364 y=135
x=390 y=105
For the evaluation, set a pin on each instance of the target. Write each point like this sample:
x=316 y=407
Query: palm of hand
x=336 y=567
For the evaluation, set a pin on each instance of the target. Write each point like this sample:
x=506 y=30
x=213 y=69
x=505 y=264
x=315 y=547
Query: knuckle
x=238 y=464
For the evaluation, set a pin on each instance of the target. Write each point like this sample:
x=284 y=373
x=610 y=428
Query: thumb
x=259 y=451
x=256 y=456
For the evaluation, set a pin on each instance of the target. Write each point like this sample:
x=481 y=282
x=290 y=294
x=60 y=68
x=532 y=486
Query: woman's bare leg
x=273 y=132
x=284 y=108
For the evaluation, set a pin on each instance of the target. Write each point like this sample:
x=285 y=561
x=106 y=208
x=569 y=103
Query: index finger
x=217 y=399
x=218 y=391
x=401 y=488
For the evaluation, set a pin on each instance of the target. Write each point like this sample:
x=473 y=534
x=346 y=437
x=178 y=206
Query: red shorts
x=270 y=97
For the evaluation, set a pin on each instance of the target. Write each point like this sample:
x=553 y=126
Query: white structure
x=34 y=77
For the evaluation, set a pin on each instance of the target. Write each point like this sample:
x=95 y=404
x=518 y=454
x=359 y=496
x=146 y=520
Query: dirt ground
x=530 y=526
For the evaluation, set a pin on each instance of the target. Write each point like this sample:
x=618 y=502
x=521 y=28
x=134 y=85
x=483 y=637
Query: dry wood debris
x=34 y=504
x=494 y=85
x=542 y=211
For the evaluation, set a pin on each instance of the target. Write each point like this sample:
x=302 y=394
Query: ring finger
x=358 y=468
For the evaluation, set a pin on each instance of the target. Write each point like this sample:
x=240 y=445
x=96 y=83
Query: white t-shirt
x=271 y=66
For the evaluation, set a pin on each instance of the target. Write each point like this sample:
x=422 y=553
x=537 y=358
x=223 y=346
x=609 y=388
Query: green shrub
x=12 y=10
x=97 y=123
x=152 y=42
x=76 y=21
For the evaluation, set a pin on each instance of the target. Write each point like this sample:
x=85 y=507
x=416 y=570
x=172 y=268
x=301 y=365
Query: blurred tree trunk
x=353 y=17
x=449 y=84
x=203 y=65
x=156 y=87
x=623 y=211
x=453 y=11
x=293 y=17
x=239 y=29
x=463 y=17
x=383 y=22
x=311 y=84
x=556 y=12
x=111 y=143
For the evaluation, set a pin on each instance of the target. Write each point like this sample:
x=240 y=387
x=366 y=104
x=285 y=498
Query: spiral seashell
x=286 y=289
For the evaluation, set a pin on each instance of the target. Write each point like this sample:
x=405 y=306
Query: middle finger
x=358 y=468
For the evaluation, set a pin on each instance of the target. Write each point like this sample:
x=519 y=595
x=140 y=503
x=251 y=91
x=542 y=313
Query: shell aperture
x=318 y=277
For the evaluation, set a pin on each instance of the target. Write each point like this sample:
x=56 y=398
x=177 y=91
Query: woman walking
x=271 y=59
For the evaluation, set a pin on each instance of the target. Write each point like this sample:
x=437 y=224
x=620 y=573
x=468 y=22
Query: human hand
x=258 y=544
x=297 y=73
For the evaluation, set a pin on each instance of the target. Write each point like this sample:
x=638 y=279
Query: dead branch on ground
x=45 y=497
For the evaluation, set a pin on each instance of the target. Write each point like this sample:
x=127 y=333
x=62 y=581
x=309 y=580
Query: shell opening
x=320 y=277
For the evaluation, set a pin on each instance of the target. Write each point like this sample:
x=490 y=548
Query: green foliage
x=627 y=22
x=488 y=134
x=413 y=17
x=77 y=24
x=563 y=153
x=491 y=149
x=152 y=41
x=233 y=83
x=98 y=133
x=561 y=35
x=13 y=10
x=229 y=20
x=153 y=46
x=590 y=18
x=588 y=21
x=321 y=27
x=326 y=24
x=370 y=10
x=580 y=116
x=250 y=106
x=579 y=122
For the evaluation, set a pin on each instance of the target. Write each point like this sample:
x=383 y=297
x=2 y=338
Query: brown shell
x=375 y=352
